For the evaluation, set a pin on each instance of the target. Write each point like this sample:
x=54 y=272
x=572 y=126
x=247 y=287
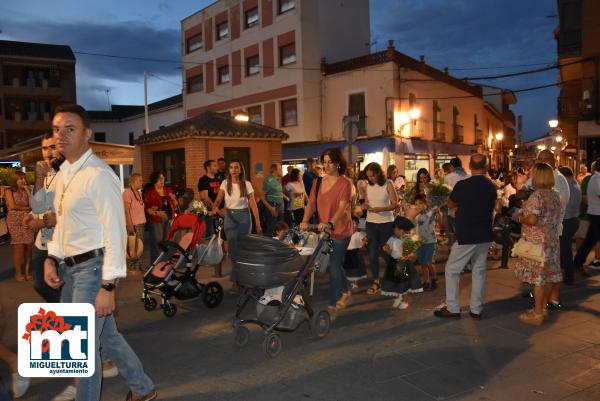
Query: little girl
x=353 y=264
x=394 y=286
x=424 y=219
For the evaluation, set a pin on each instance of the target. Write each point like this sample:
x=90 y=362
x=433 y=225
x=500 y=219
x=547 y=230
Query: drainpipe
x=596 y=74
x=321 y=95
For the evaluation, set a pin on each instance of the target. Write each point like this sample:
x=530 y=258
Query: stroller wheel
x=320 y=323
x=150 y=304
x=212 y=294
x=241 y=336
x=169 y=309
x=273 y=345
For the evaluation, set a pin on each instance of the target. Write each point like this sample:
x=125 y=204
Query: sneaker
x=110 y=372
x=68 y=394
x=20 y=385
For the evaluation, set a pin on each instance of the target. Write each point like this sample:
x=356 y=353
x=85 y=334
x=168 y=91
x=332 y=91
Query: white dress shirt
x=92 y=214
x=593 y=195
x=457 y=175
x=41 y=203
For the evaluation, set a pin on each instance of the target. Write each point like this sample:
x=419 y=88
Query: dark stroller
x=263 y=264
x=173 y=273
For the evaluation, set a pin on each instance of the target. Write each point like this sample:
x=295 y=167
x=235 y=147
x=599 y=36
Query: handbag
x=528 y=250
x=135 y=247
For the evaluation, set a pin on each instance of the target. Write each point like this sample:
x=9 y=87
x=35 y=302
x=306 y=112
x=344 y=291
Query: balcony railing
x=439 y=132
x=458 y=136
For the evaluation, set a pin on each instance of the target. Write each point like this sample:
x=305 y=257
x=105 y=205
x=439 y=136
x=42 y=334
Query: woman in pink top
x=135 y=216
x=330 y=198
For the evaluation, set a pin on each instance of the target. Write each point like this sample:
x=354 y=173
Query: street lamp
x=553 y=123
x=242 y=116
x=403 y=119
x=499 y=137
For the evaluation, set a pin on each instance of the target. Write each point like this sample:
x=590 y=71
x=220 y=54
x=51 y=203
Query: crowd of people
x=372 y=216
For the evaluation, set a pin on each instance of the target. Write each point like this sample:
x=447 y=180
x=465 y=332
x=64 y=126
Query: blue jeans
x=37 y=271
x=82 y=283
x=271 y=220
x=338 y=284
x=459 y=256
x=377 y=236
x=237 y=221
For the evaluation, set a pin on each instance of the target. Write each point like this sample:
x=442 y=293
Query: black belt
x=83 y=257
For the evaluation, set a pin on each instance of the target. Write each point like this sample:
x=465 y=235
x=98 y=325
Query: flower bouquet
x=438 y=193
x=199 y=208
x=409 y=246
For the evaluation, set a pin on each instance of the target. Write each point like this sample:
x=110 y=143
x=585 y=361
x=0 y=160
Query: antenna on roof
x=107 y=91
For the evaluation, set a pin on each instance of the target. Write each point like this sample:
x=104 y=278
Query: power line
x=498 y=67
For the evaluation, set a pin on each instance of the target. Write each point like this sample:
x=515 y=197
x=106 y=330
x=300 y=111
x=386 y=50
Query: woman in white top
x=380 y=202
x=297 y=195
x=239 y=201
x=509 y=189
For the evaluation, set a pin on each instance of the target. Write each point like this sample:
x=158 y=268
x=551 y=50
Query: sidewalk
x=372 y=352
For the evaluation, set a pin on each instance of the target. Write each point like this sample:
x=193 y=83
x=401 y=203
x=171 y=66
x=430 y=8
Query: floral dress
x=545 y=204
x=19 y=233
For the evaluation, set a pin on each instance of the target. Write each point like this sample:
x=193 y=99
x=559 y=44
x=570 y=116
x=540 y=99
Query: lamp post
x=403 y=119
x=499 y=137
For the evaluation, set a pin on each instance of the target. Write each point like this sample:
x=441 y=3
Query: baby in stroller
x=173 y=273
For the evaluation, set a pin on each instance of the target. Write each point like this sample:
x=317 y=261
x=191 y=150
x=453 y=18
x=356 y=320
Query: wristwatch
x=109 y=286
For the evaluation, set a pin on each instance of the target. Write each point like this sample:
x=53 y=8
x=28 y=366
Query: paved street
x=372 y=353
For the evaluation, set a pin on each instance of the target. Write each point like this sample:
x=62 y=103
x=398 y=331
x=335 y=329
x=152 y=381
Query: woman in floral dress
x=540 y=219
x=17 y=199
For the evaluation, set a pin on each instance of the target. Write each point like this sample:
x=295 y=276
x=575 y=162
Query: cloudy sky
x=472 y=37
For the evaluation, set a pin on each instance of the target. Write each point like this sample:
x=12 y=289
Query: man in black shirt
x=474 y=200
x=221 y=173
x=208 y=188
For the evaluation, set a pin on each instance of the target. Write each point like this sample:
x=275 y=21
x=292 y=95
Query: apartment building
x=34 y=78
x=456 y=118
x=263 y=57
x=578 y=50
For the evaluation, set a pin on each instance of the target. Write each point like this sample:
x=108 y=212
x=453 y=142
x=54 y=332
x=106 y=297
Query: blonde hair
x=542 y=176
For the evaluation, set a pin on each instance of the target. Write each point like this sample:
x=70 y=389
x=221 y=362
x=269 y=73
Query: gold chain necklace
x=65 y=187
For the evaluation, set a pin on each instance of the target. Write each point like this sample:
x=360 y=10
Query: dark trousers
x=37 y=271
x=570 y=227
x=271 y=220
x=592 y=237
x=377 y=236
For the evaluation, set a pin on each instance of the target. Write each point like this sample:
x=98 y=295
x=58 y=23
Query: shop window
x=289 y=113
x=412 y=164
x=255 y=114
x=252 y=65
x=172 y=163
x=222 y=30
x=195 y=84
x=251 y=18
x=194 y=43
x=287 y=54
x=223 y=74
x=286 y=5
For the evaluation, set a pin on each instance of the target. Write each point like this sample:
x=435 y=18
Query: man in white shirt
x=593 y=212
x=457 y=174
x=87 y=252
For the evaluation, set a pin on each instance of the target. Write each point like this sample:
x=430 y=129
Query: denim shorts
x=425 y=254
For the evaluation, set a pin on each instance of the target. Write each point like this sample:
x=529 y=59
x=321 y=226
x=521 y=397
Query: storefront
x=408 y=154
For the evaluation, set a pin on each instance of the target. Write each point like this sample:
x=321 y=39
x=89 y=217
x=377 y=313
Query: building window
x=251 y=18
x=252 y=65
x=222 y=30
x=100 y=136
x=172 y=163
x=194 y=43
x=289 y=114
x=223 y=74
x=287 y=54
x=357 y=107
x=286 y=5
x=131 y=139
x=195 y=84
x=255 y=114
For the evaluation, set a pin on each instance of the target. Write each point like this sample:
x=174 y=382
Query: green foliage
x=5 y=175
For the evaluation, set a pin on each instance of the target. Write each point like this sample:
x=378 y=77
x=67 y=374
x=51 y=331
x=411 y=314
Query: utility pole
x=146 y=123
